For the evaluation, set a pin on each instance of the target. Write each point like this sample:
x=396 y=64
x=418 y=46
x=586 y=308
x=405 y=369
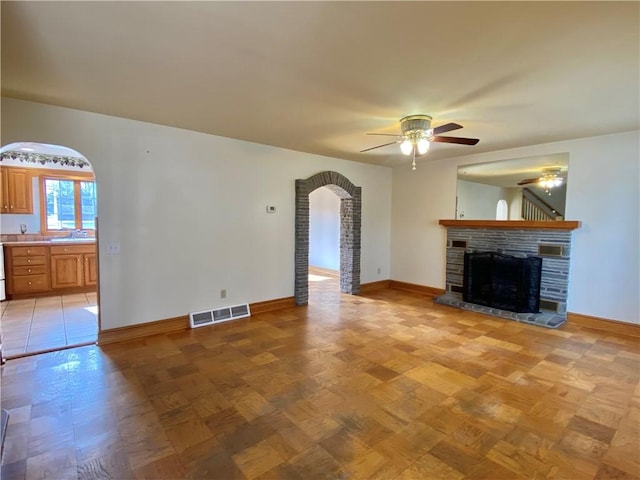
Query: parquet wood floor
x=383 y=386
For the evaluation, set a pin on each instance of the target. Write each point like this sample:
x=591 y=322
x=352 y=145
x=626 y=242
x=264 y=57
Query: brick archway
x=350 y=215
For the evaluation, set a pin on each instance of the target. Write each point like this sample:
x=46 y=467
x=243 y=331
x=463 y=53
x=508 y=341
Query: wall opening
x=350 y=222
x=59 y=185
x=502 y=210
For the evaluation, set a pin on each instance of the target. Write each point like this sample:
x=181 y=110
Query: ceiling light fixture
x=416 y=131
x=417 y=136
x=550 y=180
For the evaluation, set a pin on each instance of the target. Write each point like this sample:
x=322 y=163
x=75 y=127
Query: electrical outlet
x=223 y=293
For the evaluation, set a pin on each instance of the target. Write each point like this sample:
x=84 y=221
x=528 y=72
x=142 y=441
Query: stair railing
x=535 y=208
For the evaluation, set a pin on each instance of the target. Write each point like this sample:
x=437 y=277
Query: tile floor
x=39 y=324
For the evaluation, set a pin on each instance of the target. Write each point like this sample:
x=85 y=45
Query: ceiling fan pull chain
x=413 y=164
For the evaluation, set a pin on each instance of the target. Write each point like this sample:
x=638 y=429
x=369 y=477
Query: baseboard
x=373 y=286
x=176 y=324
x=131 y=332
x=597 y=323
x=270 y=305
x=324 y=271
x=415 y=288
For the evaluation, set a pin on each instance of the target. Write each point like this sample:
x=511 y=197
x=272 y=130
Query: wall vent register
x=550 y=250
x=218 y=315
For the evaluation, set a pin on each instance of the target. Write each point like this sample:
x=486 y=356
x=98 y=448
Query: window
x=67 y=203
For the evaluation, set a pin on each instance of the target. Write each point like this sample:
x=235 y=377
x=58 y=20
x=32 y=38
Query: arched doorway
x=52 y=303
x=350 y=221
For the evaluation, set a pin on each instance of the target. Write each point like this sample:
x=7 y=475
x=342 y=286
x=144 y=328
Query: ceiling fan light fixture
x=550 y=182
x=417 y=136
x=423 y=146
x=406 y=147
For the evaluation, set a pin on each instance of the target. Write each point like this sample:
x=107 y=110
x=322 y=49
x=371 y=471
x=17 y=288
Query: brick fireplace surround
x=520 y=239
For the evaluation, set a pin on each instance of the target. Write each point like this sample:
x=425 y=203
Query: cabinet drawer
x=30 y=283
x=72 y=249
x=26 y=261
x=32 y=270
x=28 y=251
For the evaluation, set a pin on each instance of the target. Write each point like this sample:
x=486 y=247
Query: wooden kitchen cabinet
x=27 y=269
x=17 y=194
x=73 y=266
x=42 y=270
x=90 y=269
x=66 y=271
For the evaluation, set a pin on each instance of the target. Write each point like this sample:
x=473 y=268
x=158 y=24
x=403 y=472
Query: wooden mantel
x=517 y=224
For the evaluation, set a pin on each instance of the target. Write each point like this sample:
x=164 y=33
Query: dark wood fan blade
x=379 y=146
x=447 y=127
x=527 y=181
x=384 y=134
x=460 y=140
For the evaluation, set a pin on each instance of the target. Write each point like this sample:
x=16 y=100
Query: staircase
x=535 y=208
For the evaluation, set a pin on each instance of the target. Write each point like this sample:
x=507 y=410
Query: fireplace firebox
x=502 y=281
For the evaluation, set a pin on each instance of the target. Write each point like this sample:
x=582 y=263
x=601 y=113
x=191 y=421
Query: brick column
x=350 y=224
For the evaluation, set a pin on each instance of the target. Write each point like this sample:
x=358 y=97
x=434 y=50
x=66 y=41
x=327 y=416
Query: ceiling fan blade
x=460 y=140
x=527 y=181
x=379 y=146
x=447 y=127
x=385 y=134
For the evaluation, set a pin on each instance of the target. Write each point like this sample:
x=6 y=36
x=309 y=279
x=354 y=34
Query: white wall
x=514 y=200
x=477 y=201
x=603 y=193
x=324 y=229
x=188 y=210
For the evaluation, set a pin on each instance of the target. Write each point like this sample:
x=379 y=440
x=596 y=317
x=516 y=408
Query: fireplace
x=551 y=242
x=502 y=281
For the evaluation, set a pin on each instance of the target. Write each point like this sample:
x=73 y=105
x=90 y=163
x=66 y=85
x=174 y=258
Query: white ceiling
x=317 y=76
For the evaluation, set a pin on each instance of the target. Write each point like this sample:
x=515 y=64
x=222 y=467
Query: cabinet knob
x=28 y=260
x=28 y=251
x=29 y=283
x=29 y=270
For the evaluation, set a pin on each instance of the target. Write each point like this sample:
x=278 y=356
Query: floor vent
x=224 y=314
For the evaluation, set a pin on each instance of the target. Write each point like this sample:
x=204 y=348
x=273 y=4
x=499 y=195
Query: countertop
x=59 y=241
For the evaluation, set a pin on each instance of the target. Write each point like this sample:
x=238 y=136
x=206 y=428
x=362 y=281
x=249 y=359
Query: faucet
x=78 y=234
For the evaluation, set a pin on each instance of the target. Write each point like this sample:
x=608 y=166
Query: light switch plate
x=113 y=248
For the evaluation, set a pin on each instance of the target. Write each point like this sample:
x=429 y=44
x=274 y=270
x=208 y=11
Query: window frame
x=76 y=177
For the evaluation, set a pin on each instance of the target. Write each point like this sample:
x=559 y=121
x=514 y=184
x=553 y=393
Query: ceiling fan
x=417 y=136
x=550 y=178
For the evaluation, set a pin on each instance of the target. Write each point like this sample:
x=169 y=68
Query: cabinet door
x=66 y=271
x=90 y=269
x=4 y=191
x=20 y=191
